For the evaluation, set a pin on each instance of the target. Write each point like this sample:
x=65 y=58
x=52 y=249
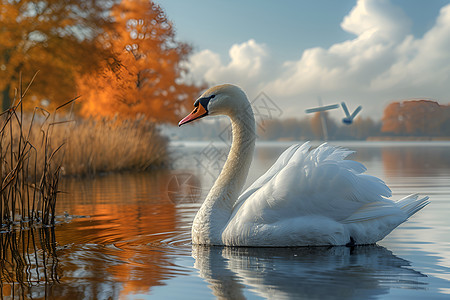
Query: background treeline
x=411 y=118
x=311 y=129
x=406 y=119
x=281 y=130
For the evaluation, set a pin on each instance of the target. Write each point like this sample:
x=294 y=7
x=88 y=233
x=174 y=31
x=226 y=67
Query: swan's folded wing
x=319 y=182
x=281 y=162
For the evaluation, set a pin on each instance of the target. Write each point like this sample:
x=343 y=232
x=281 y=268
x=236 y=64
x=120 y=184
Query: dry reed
x=94 y=147
x=27 y=196
x=103 y=146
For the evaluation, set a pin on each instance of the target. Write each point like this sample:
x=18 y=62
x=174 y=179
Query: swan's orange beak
x=198 y=112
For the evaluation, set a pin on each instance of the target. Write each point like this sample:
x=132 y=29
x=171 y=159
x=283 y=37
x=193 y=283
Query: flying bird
x=349 y=117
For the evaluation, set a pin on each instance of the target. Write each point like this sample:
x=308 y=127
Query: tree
x=147 y=79
x=418 y=117
x=57 y=37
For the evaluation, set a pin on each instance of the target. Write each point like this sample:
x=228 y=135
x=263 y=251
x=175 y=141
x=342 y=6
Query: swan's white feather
x=276 y=167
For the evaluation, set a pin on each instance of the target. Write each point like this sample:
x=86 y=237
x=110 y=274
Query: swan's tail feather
x=379 y=210
x=412 y=204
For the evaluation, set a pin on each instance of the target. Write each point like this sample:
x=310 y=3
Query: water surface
x=127 y=236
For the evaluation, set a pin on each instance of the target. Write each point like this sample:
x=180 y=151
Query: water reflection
x=28 y=262
x=415 y=161
x=128 y=235
x=120 y=238
x=304 y=273
x=126 y=243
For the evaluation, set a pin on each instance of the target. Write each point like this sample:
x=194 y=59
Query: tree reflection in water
x=127 y=242
x=120 y=239
x=414 y=161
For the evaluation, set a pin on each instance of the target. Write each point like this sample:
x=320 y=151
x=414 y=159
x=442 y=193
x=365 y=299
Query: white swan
x=307 y=198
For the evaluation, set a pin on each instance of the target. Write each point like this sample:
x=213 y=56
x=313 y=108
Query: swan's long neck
x=218 y=205
x=234 y=173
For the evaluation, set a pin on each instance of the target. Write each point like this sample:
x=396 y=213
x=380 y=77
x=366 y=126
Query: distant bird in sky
x=349 y=118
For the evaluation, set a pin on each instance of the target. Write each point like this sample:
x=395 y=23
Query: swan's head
x=226 y=99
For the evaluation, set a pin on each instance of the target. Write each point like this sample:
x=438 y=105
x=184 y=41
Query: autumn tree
x=58 y=38
x=147 y=79
x=418 y=117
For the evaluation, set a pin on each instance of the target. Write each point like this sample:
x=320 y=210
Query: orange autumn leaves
x=144 y=79
x=120 y=56
x=417 y=118
x=51 y=37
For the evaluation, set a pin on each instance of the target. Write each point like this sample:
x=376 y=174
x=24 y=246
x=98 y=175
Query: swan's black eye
x=204 y=101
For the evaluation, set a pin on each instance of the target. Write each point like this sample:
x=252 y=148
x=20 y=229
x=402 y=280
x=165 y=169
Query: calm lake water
x=127 y=236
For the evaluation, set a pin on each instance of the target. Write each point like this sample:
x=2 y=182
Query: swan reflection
x=312 y=273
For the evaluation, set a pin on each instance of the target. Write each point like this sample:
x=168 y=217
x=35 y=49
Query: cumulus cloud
x=248 y=63
x=378 y=17
x=383 y=62
x=422 y=65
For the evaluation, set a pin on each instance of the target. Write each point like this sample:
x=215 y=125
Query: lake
x=127 y=236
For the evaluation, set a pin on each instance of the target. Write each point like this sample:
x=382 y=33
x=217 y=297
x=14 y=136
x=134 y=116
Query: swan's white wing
x=319 y=182
x=281 y=162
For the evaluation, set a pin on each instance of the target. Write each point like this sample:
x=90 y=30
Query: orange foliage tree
x=59 y=38
x=146 y=77
x=418 y=117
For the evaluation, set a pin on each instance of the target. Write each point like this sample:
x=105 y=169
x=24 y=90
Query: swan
x=307 y=198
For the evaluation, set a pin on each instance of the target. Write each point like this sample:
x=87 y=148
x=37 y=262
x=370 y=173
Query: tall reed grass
x=103 y=146
x=27 y=196
x=92 y=147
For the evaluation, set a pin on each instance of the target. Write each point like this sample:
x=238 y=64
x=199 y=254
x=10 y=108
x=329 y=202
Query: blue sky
x=368 y=52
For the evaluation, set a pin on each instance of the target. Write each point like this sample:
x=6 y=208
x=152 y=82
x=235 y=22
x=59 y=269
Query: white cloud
x=248 y=62
x=423 y=65
x=378 y=17
x=382 y=63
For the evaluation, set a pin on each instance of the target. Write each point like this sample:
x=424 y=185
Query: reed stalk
x=27 y=196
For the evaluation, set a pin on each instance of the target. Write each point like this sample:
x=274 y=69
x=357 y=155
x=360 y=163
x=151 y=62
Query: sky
x=363 y=52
